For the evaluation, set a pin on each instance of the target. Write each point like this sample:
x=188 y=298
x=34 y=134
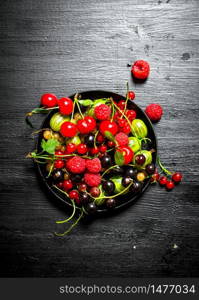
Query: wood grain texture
x=64 y=46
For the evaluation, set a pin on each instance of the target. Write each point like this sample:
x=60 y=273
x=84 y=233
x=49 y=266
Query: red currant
x=122 y=122
x=65 y=106
x=58 y=164
x=102 y=148
x=108 y=126
x=140 y=69
x=68 y=129
x=48 y=100
x=131 y=114
x=127 y=153
x=74 y=195
x=94 y=151
x=163 y=180
x=82 y=187
x=121 y=104
x=126 y=129
x=82 y=148
x=111 y=144
x=59 y=152
x=60 y=185
x=100 y=138
x=155 y=177
x=71 y=148
x=67 y=185
x=170 y=185
x=131 y=95
x=177 y=177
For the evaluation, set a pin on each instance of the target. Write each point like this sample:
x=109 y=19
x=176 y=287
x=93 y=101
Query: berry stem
x=78 y=106
x=66 y=195
x=72 y=226
x=120 y=193
x=162 y=167
x=95 y=137
x=127 y=99
x=72 y=215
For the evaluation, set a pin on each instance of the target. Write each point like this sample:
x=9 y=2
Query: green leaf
x=109 y=136
x=119 y=158
x=99 y=101
x=49 y=145
x=86 y=102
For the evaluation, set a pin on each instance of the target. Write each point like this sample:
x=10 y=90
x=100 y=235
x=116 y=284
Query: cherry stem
x=72 y=226
x=73 y=213
x=162 y=167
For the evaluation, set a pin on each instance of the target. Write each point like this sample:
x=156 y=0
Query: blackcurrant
x=58 y=175
x=106 y=161
x=117 y=170
x=136 y=187
x=84 y=197
x=131 y=172
x=91 y=208
x=89 y=140
x=110 y=203
x=108 y=186
x=126 y=181
x=76 y=178
x=150 y=169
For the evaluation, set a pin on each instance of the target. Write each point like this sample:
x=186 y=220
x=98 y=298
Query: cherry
x=58 y=164
x=177 y=177
x=131 y=114
x=121 y=104
x=136 y=187
x=68 y=129
x=91 y=121
x=121 y=122
x=102 y=148
x=82 y=148
x=140 y=69
x=67 y=185
x=131 y=95
x=48 y=100
x=65 y=106
x=108 y=126
x=170 y=185
x=60 y=185
x=74 y=195
x=127 y=153
x=140 y=159
x=86 y=125
x=70 y=148
x=163 y=180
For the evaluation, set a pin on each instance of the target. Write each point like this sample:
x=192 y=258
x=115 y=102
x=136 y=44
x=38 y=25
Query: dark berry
x=82 y=187
x=140 y=159
x=131 y=172
x=108 y=186
x=76 y=178
x=150 y=169
x=106 y=161
x=89 y=140
x=110 y=203
x=126 y=181
x=58 y=175
x=91 y=208
x=117 y=170
x=84 y=198
x=136 y=187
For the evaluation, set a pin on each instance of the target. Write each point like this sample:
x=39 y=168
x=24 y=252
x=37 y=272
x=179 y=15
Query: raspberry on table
x=102 y=112
x=93 y=165
x=92 y=179
x=140 y=69
x=122 y=139
x=76 y=165
x=154 y=112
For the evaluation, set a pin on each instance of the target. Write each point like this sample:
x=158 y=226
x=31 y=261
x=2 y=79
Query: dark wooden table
x=63 y=47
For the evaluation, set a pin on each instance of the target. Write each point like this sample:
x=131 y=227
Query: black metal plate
x=127 y=199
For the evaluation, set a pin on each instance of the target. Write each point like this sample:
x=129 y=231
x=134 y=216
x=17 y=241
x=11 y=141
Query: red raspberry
x=140 y=69
x=131 y=114
x=154 y=112
x=102 y=112
x=92 y=179
x=122 y=139
x=76 y=165
x=93 y=165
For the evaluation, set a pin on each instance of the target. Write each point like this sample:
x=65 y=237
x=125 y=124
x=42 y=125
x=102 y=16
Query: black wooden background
x=65 y=46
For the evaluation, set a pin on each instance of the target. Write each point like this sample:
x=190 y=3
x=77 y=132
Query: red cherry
x=91 y=121
x=65 y=106
x=100 y=138
x=94 y=151
x=82 y=148
x=131 y=114
x=48 y=100
x=71 y=148
x=102 y=148
x=140 y=69
x=67 y=185
x=58 y=164
x=163 y=180
x=131 y=95
x=122 y=122
x=111 y=144
x=177 y=177
x=108 y=126
x=155 y=177
x=121 y=104
x=127 y=153
x=74 y=195
x=59 y=152
x=68 y=129
x=170 y=185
